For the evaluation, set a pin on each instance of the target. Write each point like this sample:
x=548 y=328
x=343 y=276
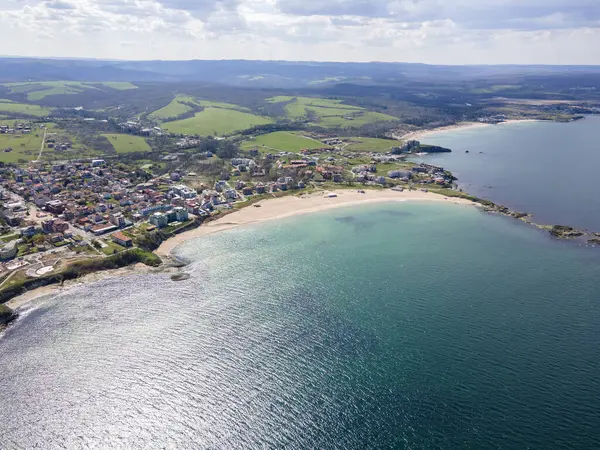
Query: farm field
x=209 y=104
x=182 y=104
x=361 y=144
x=176 y=108
x=357 y=119
x=12 y=108
x=281 y=141
x=36 y=91
x=328 y=112
x=126 y=143
x=216 y=121
x=24 y=147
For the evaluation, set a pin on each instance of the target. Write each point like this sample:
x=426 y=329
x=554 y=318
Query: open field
x=126 y=143
x=118 y=85
x=176 y=108
x=182 y=104
x=40 y=90
x=284 y=141
x=299 y=107
x=216 y=121
x=361 y=144
x=354 y=120
x=209 y=104
x=23 y=109
x=24 y=147
x=329 y=113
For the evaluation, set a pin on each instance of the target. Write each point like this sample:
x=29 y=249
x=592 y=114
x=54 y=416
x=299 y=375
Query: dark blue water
x=548 y=169
x=413 y=326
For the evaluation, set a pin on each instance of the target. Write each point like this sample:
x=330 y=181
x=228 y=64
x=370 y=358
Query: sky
x=427 y=31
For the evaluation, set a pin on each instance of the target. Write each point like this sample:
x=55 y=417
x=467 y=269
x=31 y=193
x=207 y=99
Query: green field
x=24 y=109
x=216 y=121
x=126 y=143
x=328 y=112
x=282 y=141
x=24 y=147
x=371 y=145
x=118 y=85
x=40 y=90
x=209 y=104
x=176 y=108
x=354 y=120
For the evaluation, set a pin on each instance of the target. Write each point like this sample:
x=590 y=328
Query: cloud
x=58 y=4
x=434 y=31
x=488 y=14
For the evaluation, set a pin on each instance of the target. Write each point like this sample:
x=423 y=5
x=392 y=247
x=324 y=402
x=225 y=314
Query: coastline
x=279 y=208
x=23 y=299
x=419 y=134
x=270 y=209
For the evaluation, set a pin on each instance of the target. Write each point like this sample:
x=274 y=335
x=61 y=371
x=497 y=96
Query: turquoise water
x=548 y=169
x=387 y=326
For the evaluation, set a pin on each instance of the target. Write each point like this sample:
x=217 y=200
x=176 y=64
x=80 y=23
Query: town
x=96 y=208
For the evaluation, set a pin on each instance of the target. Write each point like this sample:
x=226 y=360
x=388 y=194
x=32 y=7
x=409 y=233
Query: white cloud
x=432 y=31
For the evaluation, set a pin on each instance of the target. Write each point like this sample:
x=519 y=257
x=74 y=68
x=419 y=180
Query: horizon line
x=118 y=60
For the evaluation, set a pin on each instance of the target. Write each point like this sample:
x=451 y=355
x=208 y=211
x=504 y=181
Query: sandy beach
x=270 y=209
x=416 y=135
x=294 y=205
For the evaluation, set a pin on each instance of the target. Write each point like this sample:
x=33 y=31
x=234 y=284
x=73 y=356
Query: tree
x=227 y=149
x=39 y=239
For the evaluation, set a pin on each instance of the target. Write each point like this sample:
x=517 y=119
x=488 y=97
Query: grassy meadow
x=283 y=141
x=361 y=144
x=328 y=112
x=176 y=108
x=12 y=108
x=216 y=121
x=127 y=143
x=24 y=147
x=182 y=104
x=39 y=90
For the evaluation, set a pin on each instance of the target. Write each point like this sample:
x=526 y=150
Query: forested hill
x=278 y=73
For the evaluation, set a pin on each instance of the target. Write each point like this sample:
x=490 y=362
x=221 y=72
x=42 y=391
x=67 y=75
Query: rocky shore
x=7 y=315
x=557 y=231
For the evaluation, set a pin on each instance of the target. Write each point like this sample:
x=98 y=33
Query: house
x=102 y=229
x=121 y=239
x=181 y=214
x=183 y=191
x=159 y=220
x=118 y=220
x=55 y=206
x=28 y=231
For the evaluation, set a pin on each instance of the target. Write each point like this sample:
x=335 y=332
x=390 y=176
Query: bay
x=386 y=326
x=548 y=169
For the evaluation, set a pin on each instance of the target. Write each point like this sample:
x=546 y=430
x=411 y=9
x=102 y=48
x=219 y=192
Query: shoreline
x=463 y=126
x=291 y=206
x=27 y=297
x=270 y=209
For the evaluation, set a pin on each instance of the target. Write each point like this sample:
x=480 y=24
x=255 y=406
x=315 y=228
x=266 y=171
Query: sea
x=548 y=169
x=385 y=326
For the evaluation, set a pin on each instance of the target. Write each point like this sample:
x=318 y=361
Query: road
x=43 y=143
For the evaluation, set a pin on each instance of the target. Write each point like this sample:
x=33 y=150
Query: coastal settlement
x=63 y=220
